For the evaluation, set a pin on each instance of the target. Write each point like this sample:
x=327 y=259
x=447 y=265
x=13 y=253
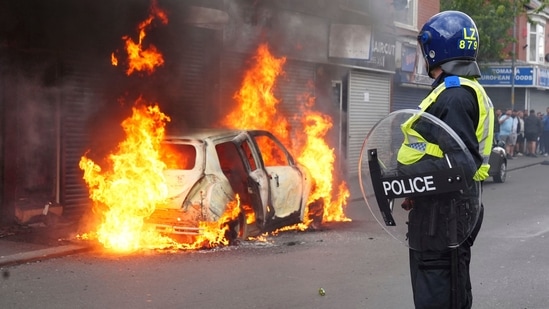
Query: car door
x=257 y=181
x=285 y=179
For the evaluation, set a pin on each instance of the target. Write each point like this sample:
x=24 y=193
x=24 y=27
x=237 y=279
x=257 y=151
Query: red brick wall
x=426 y=9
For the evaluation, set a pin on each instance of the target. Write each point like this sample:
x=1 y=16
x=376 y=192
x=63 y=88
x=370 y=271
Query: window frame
x=536 y=49
x=412 y=8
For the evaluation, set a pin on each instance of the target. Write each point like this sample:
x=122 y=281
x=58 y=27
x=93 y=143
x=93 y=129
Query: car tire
x=502 y=173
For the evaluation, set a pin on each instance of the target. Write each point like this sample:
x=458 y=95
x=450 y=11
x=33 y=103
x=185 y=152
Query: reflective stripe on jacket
x=416 y=146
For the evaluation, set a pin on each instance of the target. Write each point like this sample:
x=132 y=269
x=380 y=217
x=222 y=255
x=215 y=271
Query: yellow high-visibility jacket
x=416 y=146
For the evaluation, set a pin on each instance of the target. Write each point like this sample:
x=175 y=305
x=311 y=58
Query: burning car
x=209 y=169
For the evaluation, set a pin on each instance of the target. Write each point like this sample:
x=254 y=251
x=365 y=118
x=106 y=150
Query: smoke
x=73 y=95
x=30 y=126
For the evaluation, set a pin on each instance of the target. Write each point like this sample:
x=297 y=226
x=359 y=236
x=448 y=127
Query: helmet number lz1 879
x=469 y=40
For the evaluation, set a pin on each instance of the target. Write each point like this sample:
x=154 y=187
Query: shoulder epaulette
x=452 y=81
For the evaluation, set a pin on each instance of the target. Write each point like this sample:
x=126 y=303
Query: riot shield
x=429 y=205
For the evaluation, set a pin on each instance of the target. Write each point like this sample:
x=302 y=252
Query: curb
x=546 y=162
x=42 y=254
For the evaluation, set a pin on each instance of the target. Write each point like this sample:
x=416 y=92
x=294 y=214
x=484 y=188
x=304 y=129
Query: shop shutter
x=233 y=67
x=81 y=95
x=407 y=97
x=195 y=88
x=501 y=97
x=369 y=98
x=539 y=100
x=293 y=89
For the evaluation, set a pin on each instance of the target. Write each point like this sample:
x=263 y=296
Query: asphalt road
x=356 y=263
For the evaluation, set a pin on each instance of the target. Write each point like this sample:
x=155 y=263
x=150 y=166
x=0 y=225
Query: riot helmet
x=450 y=40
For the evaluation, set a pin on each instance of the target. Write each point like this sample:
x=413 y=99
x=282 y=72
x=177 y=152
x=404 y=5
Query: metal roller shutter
x=539 y=100
x=197 y=68
x=407 y=97
x=501 y=97
x=369 y=98
x=233 y=66
x=79 y=100
x=293 y=89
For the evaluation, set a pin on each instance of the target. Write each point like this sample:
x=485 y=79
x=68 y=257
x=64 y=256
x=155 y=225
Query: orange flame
x=257 y=105
x=130 y=190
x=257 y=108
x=114 y=60
x=140 y=59
x=320 y=159
x=133 y=185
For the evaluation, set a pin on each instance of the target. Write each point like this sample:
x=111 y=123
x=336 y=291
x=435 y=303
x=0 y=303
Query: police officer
x=439 y=264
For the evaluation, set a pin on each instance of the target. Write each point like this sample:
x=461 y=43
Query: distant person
x=519 y=147
x=532 y=132
x=506 y=132
x=540 y=146
x=545 y=133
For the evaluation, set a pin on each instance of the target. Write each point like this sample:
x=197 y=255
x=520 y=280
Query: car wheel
x=502 y=173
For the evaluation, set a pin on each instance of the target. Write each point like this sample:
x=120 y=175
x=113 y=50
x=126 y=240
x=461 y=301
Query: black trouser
x=431 y=274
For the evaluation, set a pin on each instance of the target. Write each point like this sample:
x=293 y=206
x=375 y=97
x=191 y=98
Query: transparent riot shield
x=432 y=204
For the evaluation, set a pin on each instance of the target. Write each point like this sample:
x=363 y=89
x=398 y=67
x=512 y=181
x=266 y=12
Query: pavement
x=35 y=242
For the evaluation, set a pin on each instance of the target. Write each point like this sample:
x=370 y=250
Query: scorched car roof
x=202 y=134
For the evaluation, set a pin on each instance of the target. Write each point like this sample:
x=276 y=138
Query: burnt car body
x=498 y=163
x=213 y=166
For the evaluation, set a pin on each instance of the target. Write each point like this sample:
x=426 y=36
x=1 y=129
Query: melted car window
x=271 y=152
x=178 y=156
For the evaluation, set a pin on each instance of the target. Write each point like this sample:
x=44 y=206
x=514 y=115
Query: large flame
x=257 y=104
x=319 y=158
x=140 y=59
x=128 y=191
x=258 y=109
x=133 y=184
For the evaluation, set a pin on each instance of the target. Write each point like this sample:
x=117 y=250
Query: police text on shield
x=410 y=185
